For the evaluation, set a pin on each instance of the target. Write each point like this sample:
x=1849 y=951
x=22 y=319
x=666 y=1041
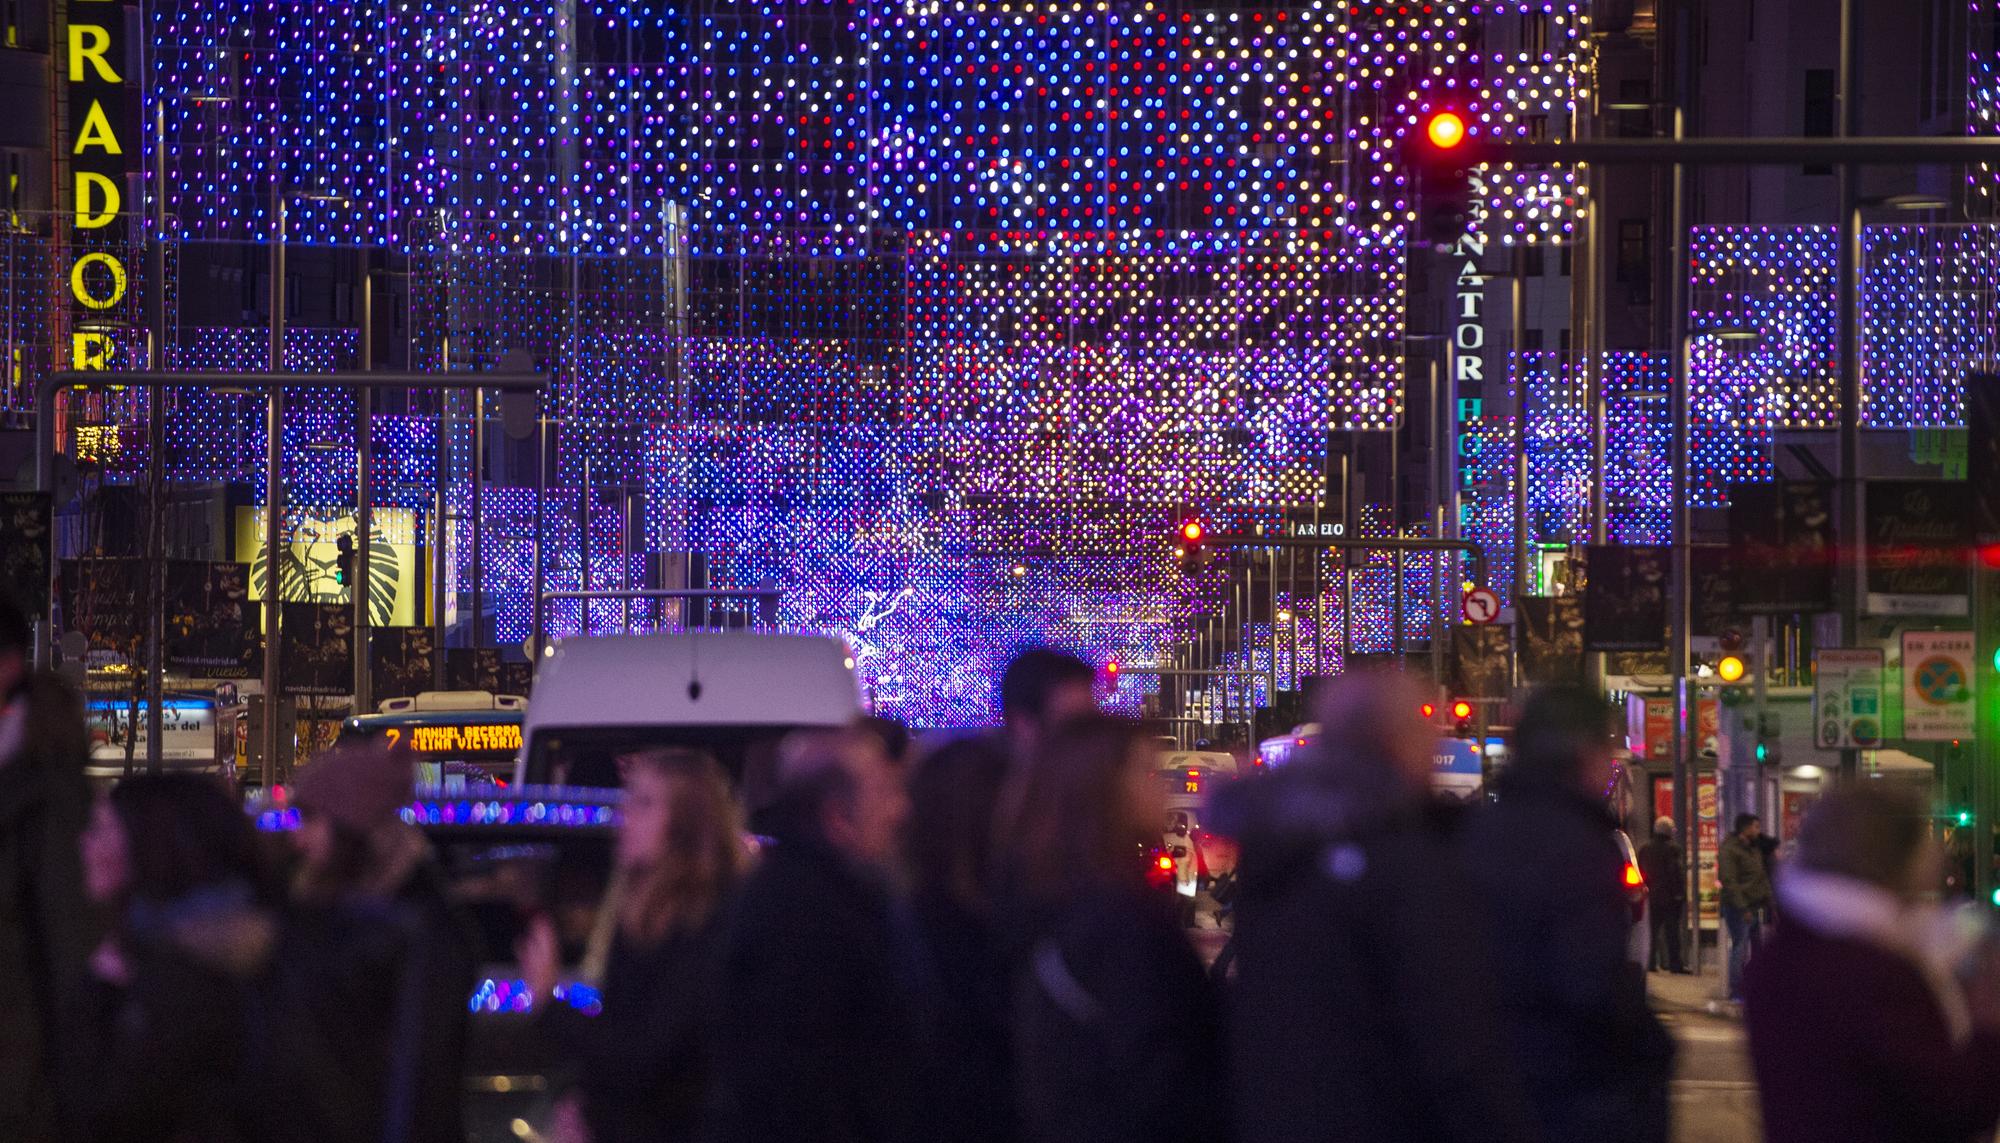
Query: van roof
x=693 y=679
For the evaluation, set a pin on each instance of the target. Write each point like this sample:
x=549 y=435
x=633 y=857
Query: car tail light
x=1166 y=863
x=1633 y=878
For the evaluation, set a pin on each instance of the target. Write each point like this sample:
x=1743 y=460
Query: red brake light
x=1166 y=863
x=1633 y=878
x=1428 y=710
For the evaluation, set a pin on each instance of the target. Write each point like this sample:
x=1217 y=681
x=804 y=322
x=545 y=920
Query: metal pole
x=538 y=628
x=274 y=488
x=361 y=590
x=1677 y=645
x=1600 y=510
x=1396 y=632
x=1847 y=304
x=478 y=511
x=156 y=467
x=441 y=475
x=1517 y=338
x=1439 y=435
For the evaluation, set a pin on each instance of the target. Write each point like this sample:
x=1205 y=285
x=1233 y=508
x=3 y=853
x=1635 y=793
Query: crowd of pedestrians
x=965 y=946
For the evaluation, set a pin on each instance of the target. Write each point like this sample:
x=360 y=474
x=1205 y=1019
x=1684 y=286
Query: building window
x=1533 y=265
x=1635 y=258
x=1820 y=108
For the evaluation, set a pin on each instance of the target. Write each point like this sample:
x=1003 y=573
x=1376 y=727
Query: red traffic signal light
x=1428 y=710
x=1193 y=555
x=1461 y=710
x=1445 y=130
x=1438 y=160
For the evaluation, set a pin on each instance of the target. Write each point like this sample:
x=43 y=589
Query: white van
x=733 y=694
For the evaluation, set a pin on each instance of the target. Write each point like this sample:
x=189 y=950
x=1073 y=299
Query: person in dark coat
x=1042 y=688
x=176 y=985
x=644 y=1060
x=46 y=932
x=1544 y=863
x=1745 y=896
x=817 y=1032
x=1662 y=865
x=1871 y=1017
x=1116 y=1031
x=954 y=795
x=397 y=958
x=1362 y=1006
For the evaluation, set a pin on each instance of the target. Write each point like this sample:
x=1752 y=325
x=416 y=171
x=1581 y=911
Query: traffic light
x=1769 y=749
x=1442 y=177
x=1461 y=718
x=1730 y=668
x=343 y=560
x=1193 y=548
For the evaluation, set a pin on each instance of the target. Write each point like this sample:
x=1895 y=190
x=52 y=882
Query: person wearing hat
x=368 y=887
x=1660 y=863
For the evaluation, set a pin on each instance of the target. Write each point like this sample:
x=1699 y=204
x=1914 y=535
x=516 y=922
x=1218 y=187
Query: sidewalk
x=1690 y=994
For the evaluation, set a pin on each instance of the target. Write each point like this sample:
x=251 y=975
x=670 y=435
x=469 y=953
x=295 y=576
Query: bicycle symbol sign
x=1939 y=681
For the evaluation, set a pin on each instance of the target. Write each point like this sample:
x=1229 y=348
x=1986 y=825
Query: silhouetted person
x=396 y=958
x=1117 y=1035
x=1662 y=865
x=1746 y=893
x=1546 y=868
x=173 y=1008
x=818 y=1031
x=45 y=930
x=954 y=795
x=1041 y=689
x=1362 y=1006
x=645 y=1061
x=1872 y=1019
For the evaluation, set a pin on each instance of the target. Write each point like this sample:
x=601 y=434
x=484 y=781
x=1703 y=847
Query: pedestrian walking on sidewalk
x=1364 y=1004
x=1661 y=863
x=1545 y=865
x=1746 y=894
x=817 y=1032
x=1873 y=1017
x=1117 y=1032
x=645 y=1059
x=45 y=931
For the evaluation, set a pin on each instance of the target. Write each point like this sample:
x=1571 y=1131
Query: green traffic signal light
x=1965 y=819
x=1996 y=898
x=1763 y=751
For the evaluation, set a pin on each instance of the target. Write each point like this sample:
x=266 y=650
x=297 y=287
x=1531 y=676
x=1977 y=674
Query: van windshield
x=588 y=756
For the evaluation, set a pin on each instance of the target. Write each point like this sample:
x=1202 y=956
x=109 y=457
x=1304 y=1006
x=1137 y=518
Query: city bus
x=460 y=739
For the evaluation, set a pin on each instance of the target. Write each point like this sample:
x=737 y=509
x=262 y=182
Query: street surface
x=1715 y=1096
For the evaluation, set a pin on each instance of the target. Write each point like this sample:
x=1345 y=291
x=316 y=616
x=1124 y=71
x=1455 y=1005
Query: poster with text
x=213 y=630
x=24 y=551
x=318 y=645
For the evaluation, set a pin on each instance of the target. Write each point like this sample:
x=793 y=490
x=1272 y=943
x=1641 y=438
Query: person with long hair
x=644 y=1062
x=194 y=927
x=1116 y=1032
